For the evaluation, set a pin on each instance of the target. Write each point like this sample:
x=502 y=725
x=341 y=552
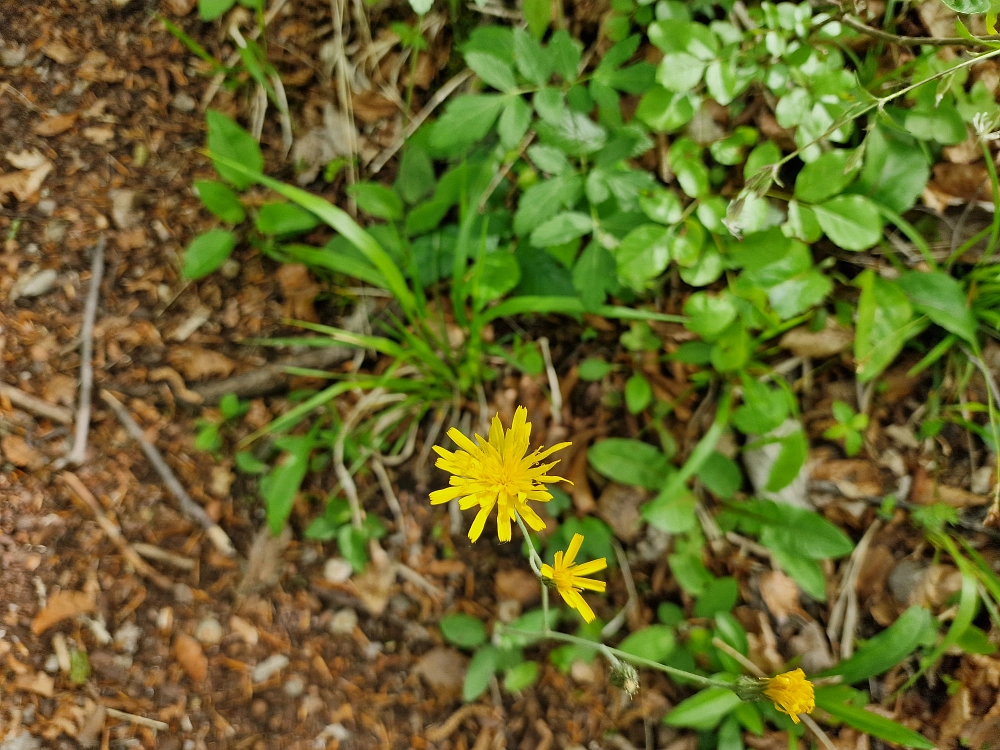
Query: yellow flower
x=496 y=471
x=568 y=578
x=791 y=693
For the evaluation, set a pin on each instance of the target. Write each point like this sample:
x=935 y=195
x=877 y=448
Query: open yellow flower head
x=791 y=693
x=496 y=471
x=569 y=578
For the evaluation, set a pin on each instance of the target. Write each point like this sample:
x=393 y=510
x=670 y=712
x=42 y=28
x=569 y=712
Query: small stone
x=508 y=610
x=181 y=7
x=127 y=638
x=344 y=622
x=230 y=269
x=55 y=231
x=443 y=669
x=337 y=570
x=52 y=664
x=165 y=620
x=46 y=206
x=372 y=649
x=244 y=630
x=294 y=686
x=332 y=732
x=208 y=632
x=184 y=102
x=266 y=669
x=33 y=283
x=259 y=708
x=400 y=604
x=123 y=211
x=183 y=594
x=12 y=57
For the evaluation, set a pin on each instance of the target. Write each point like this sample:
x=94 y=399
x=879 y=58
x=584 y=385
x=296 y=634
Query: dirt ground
x=100 y=116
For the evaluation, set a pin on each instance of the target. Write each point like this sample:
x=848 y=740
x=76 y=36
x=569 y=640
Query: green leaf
x=628 y=461
x=467 y=120
x=661 y=205
x=593 y=369
x=220 y=200
x=283 y=219
x=561 y=229
x=643 y=255
x=887 y=649
x=851 y=221
x=566 y=54
x=688 y=569
x=498 y=274
x=520 y=676
x=594 y=274
x=248 y=463
x=680 y=71
x=942 y=124
x=281 y=485
x=666 y=111
x=514 y=122
x=533 y=61
x=883 y=324
x=542 y=201
x=209 y=10
x=207 y=252
x=79 y=666
x=941 y=298
x=895 y=170
x=805 y=572
x=416 y=174
x=353 y=545
x=537 y=14
x=719 y=597
x=709 y=315
x=463 y=630
x=825 y=177
x=724 y=81
x=795 y=529
x=968 y=6
x=832 y=700
x=638 y=393
x=802 y=222
x=720 y=475
x=653 y=642
x=763 y=408
x=573 y=132
x=492 y=70
x=703 y=710
x=788 y=464
x=377 y=200
x=229 y=140
x=477 y=677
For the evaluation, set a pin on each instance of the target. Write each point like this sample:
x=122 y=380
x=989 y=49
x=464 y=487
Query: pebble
x=332 y=732
x=295 y=686
x=344 y=622
x=12 y=57
x=230 y=269
x=209 y=631
x=23 y=741
x=46 y=206
x=183 y=594
x=33 y=284
x=266 y=669
x=184 y=102
x=337 y=570
x=52 y=664
x=127 y=638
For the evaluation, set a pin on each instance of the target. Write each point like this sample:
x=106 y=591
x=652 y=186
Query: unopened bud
x=749 y=688
x=624 y=676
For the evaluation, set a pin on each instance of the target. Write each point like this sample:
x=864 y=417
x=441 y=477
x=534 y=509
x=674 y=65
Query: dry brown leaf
x=833 y=339
x=371 y=107
x=443 y=669
x=25 y=159
x=181 y=7
x=983 y=734
x=874 y=572
x=299 y=290
x=618 y=506
x=59 y=52
x=583 y=498
x=518 y=585
x=961 y=183
x=953 y=716
x=374 y=585
x=190 y=656
x=264 y=562
x=61 y=606
x=55 y=125
x=853 y=477
x=927 y=491
x=781 y=595
x=196 y=363
x=24 y=184
x=60 y=389
x=38 y=683
x=89 y=734
x=18 y=452
x=812 y=646
x=99 y=135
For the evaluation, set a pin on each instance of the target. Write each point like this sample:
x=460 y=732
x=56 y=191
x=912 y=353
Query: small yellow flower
x=568 y=578
x=496 y=472
x=791 y=693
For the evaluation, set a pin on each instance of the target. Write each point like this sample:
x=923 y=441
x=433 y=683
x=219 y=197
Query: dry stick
x=390 y=495
x=114 y=533
x=79 y=452
x=34 y=405
x=152 y=552
x=439 y=96
x=633 y=597
x=842 y=613
x=916 y=41
x=272 y=377
x=444 y=731
x=134 y=719
x=554 y=392
x=189 y=507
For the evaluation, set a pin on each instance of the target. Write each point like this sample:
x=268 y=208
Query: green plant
x=849 y=427
x=208 y=437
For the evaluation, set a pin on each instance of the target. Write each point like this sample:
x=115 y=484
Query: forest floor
x=276 y=648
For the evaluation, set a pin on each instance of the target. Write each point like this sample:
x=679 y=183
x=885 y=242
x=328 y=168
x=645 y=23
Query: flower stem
x=536 y=566
x=608 y=651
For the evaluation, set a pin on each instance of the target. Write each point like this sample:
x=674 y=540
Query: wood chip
x=55 y=125
x=38 y=683
x=190 y=656
x=61 y=606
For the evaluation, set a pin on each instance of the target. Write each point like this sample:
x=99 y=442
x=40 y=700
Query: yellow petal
x=574 y=548
x=448 y=493
x=547 y=571
x=585 y=569
x=577 y=602
x=463 y=442
x=590 y=584
x=477 y=525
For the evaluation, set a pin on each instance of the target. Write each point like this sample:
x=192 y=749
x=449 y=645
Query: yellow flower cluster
x=568 y=578
x=791 y=693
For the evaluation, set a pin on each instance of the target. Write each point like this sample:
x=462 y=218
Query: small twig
x=554 y=392
x=114 y=533
x=917 y=41
x=444 y=731
x=34 y=405
x=505 y=169
x=817 y=730
x=79 y=453
x=390 y=495
x=633 y=597
x=439 y=96
x=748 y=665
x=134 y=719
x=24 y=100
x=842 y=613
x=152 y=552
x=409 y=574
x=189 y=507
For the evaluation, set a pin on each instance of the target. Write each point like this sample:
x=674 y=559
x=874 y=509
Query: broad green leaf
x=566 y=54
x=492 y=70
x=709 y=315
x=561 y=229
x=895 y=170
x=883 y=324
x=207 y=252
x=666 y=111
x=209 y=10
x=720 y=475
x=377 y=200
x=680 y=71
x=353 y=546
x=482 y=667
x=724 y=81
x=520 y=676
x=688 y=569
x=887 y=649
x=638 y=393
x=498 y=274
x=593 y=369
x=730 y=735
x=594 y=274
x=802 y=222
x=281 y=485
x=653 y=642
x=533 y=61
x=851 y=221
x=630 y=462
x=719 y=597
x=941 y=298
x=833 y=701
x=805 y=572
x=462 y=630
x=416 y=174
x=825 y=177
x=573 y=132
x=282 y=219
x=788 y=464
x=643 y=255
x=467 y=120
x=537 y=13
x=541 y=202
x=220 y=200
x=661 y=205
x=763 y=408
x=229 y=140
x=795 y=529
x=703 y=710
x=514 y=122
x=942 y=124
x=968 y=6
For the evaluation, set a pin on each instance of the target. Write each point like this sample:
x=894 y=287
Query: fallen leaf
x=190 y=656
x=55 y=125
x=833 y=339
x=60 y=389
x=123 y=211
x=371 y=107
x=781 y=595
x=99 y=135
x=24 y=184
x=583 y=498
x=618 y=506
x=853 y=477
x=874 y=572
x=61 y=606
x=89 y=734
x=321 y=145
x=443 y=669
x=983 y=734
x=812 y=646
x=38 y=683
x=26 y=159
x=264 y=562
x=518 y=585
x=953 y=716
x=926 y=491
x=19 y=453
x=299 y=290
x=196 y=363
x=760 y=461
x=181 y=7
x=961 y=183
